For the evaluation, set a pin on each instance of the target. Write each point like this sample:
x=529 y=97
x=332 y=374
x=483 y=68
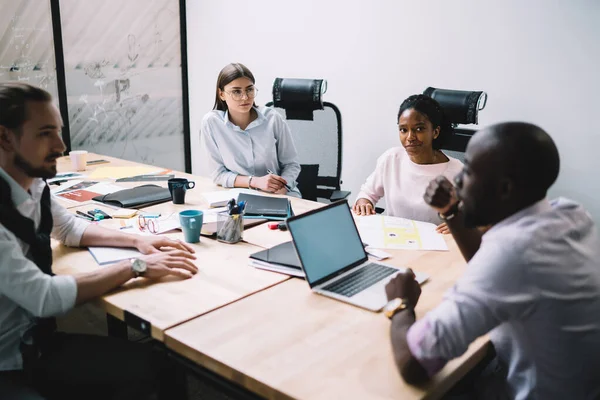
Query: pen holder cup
x=230 y=228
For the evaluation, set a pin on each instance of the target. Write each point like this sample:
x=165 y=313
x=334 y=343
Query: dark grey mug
x=178 y=187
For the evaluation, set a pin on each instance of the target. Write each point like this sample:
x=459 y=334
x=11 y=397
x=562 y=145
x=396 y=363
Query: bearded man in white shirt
x=36 y=361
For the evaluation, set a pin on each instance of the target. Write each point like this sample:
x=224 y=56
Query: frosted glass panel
x=26 y=46
x=123 y=79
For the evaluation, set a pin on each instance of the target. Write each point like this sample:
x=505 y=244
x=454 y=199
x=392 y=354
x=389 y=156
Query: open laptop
x=334 y=260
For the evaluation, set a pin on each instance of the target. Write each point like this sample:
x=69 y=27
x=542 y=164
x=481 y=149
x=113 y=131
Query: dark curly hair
x=433 y=111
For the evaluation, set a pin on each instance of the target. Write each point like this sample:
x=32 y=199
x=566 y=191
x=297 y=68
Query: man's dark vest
x=38 y=241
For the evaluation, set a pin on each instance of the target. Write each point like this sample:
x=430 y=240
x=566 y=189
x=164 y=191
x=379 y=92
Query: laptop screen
x=326 y=241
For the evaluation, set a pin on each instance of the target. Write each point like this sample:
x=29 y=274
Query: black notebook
x=257 y=206
x=281 y=258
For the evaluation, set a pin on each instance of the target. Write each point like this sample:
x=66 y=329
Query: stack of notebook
x=281 y=258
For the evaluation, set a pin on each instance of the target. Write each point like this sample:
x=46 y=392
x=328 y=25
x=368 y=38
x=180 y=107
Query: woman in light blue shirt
x=247 y=146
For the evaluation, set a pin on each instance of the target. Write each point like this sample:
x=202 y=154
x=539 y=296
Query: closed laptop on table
x=334 y=260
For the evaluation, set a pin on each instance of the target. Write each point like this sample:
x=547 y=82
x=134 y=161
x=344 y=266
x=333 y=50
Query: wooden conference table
x=269 y=333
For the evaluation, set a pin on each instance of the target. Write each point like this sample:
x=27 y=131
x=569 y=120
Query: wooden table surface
x=287 y=342
x=270 y=333
x=224 y=274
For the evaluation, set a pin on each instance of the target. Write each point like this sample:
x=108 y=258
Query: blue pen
x=286 y=185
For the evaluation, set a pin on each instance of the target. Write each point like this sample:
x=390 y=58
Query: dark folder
x=281 y=258
x=137 y=197
x=257 y=206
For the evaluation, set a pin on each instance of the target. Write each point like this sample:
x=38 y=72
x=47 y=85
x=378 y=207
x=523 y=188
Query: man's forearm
x=97 y=283
x=96 y=235
x=409 y=367
x=467 y=239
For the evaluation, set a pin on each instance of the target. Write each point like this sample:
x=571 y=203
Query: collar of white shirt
x=260 y=118
x=20 y=195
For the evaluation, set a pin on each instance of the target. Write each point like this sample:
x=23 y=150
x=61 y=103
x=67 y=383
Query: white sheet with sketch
x=384 y=232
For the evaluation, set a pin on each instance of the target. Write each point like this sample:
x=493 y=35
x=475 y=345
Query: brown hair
x=228 y=74
x=13 y=102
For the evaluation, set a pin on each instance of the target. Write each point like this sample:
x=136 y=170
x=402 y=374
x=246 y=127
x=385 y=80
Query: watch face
x=139 y=265
x=392 y=305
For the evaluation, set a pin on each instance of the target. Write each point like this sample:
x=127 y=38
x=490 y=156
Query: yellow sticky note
x=123 y=213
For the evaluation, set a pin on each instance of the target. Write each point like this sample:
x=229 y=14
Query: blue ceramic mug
x=191 y=224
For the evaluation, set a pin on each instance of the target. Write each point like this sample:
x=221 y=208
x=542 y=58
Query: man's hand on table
x=156 y=244
x=404 y=286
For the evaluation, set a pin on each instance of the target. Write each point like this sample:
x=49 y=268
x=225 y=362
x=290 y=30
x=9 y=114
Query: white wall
x=538 y=60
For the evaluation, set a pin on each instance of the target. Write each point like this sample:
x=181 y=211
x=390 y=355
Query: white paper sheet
x=111 y=255
x=384 y=232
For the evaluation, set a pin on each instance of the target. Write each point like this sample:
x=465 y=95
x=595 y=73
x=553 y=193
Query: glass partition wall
x=121 y=67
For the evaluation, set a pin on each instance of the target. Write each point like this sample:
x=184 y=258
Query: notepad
x=123 y=213
x=111 y=255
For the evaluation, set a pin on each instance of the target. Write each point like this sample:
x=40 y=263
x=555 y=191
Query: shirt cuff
x=363 y=195
x=230 y=180
x=420 y=342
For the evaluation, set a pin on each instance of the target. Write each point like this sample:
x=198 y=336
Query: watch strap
x=450 y=214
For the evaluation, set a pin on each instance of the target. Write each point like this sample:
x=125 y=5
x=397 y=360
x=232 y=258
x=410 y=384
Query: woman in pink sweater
x=403 y=173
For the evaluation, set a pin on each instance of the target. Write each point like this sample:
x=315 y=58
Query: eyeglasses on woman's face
x=239 y=94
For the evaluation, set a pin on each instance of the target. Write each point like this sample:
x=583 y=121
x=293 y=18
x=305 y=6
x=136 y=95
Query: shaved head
x=508 y=167
x=524 y=152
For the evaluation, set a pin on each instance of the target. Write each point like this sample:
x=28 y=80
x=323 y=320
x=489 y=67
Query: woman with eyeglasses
x=248 y=146
x=403 y=173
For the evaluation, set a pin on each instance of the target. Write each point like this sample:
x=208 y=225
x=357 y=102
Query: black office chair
x=317 y=131
x=461 y=107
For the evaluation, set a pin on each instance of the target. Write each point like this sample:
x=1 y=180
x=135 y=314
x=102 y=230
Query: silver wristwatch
x=138 y=266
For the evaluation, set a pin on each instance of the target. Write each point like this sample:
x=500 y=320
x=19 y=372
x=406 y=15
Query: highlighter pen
x=273 y=173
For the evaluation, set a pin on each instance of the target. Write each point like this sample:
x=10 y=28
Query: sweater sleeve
x=373 y=189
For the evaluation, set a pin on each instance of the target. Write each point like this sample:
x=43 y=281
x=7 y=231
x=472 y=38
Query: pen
x=286 y=185
x=83 y=215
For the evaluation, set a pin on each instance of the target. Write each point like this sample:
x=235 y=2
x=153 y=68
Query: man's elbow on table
x=413 y=372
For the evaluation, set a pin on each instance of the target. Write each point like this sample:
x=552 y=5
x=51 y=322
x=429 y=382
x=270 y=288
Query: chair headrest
x=299 y=97
x=460 y=107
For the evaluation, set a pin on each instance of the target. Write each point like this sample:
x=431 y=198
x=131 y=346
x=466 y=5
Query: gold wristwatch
x=394 y=306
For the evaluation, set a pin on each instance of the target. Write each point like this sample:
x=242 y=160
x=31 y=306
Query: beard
x=471 y=219
x=477 y=213
x=36 y=172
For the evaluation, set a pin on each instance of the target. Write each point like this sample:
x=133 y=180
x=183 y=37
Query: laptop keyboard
x=360 y=279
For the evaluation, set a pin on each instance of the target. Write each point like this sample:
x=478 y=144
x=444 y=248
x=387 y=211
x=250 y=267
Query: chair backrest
x=461 y=107
x=457 y=144
x=319 y=144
